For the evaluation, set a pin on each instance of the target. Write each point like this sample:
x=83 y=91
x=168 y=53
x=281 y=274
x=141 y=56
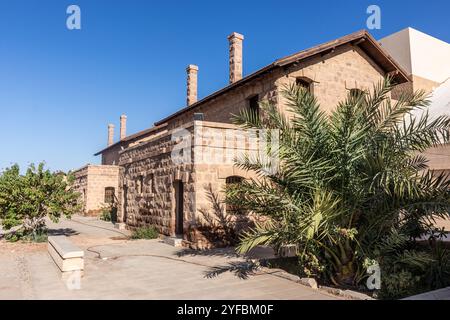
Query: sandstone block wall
x=148 y=185
x=91 y=182
x=80 y=185
x=333 y=75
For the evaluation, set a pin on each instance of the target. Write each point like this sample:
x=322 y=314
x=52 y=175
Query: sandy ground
x=117 y=268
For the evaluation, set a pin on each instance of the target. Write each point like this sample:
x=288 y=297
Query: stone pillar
x=110 y=134
x=123 y=126
x=192 y=72
x=235 y=40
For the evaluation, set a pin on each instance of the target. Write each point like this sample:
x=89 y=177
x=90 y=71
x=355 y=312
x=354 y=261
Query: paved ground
x=441 y=294
x=117 y=268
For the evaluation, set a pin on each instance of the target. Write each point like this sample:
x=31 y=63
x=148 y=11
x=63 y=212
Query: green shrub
x=109 y=214
x=145 y=233
x=399 y=285
x=27 y=236
x=347 y=186
x=106 y=215
x=26 y=200
x=438 y=273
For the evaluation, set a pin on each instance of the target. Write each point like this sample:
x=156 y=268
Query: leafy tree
x=352 y=187
x=26 y=200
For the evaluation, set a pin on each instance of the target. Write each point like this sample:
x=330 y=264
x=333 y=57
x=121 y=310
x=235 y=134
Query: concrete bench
x=66 y=255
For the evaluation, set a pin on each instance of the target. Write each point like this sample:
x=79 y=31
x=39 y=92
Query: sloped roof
x=361 y=38
x=132 y=137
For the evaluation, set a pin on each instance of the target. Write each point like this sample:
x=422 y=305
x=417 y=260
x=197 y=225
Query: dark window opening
x=109 y=195
x=253 y=105
x=305 y=83
x=355 y=93
x=233 y=180
x=140 y=185
x=179 y=204
x=151 y=183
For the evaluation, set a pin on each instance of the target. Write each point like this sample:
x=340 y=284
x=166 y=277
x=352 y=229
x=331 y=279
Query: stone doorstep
x=173 y=241
x=120 y=226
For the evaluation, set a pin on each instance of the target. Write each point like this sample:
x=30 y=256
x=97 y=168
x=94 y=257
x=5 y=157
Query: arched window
x=305 y=83
x=109 y=195
x=233 y=179
x=355 y=92
x=253 y=104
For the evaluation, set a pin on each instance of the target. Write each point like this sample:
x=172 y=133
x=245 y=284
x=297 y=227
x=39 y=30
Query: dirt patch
x=119 y=238
x=85 y=241
x=22 y=247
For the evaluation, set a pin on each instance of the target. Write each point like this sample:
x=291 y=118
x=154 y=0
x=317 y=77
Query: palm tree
x=348 y=183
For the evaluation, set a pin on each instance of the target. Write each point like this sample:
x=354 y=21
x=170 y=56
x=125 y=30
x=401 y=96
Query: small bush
x=145 y=233
x=399 y=285
x=106 y=215
x=27 y=236
x=109 y=213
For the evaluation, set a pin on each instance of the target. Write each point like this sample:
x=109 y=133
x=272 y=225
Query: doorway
x=125 y=204
x=179 y=204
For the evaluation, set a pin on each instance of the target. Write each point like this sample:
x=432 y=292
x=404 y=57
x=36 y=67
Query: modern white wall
x=419 y=54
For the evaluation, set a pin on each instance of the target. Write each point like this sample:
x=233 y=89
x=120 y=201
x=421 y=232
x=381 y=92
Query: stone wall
x=148 y=185
x=91 y=181
x=333 y=75
x=111 y=156
x=80 y=185
x=149 y=174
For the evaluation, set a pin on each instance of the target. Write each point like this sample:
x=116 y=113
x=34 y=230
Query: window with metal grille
x=229 y=181
x=109 y=195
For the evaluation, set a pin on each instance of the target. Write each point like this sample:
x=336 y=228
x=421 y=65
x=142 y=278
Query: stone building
x=154 y=188
x=97 y=185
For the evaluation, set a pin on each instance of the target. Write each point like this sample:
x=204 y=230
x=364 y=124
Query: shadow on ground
x=218 y=252
x=241 y=269
x=63 y=232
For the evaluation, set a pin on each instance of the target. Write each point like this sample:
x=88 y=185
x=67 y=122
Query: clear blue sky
x=59 y=88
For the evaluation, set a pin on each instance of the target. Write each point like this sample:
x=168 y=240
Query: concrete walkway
x=117 y=268
x=441 y=294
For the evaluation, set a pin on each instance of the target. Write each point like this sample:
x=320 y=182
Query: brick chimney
x=110 y=134
x=123 y=126
x=192 y=72
x=235 y=40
